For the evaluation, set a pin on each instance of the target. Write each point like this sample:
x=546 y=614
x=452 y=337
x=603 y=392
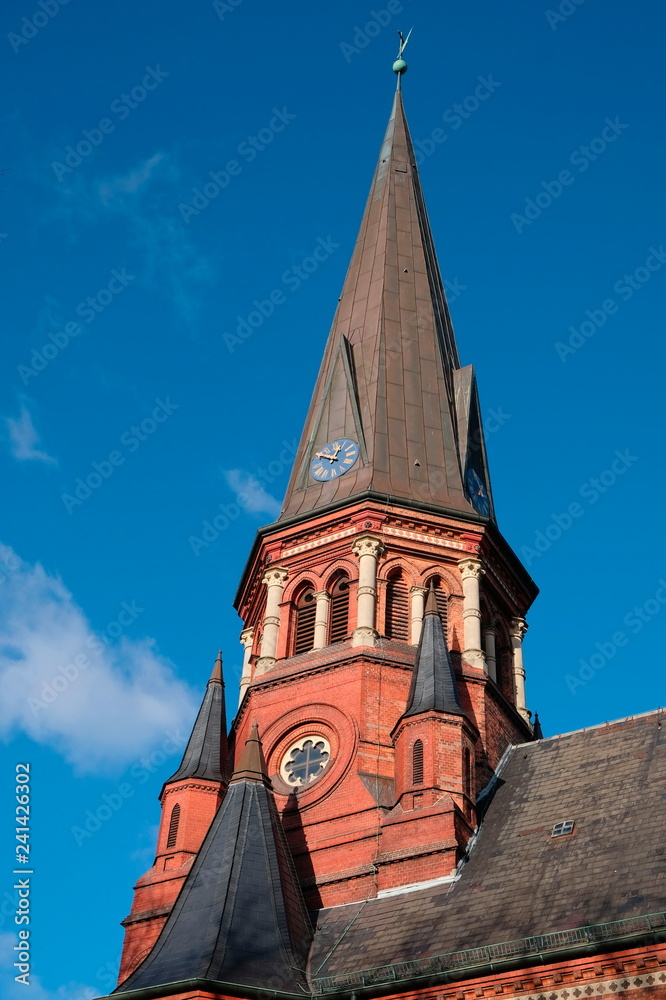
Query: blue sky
x=125 y=355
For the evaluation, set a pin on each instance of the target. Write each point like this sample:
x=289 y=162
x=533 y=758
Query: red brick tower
x=389 y=496
x=190 y=800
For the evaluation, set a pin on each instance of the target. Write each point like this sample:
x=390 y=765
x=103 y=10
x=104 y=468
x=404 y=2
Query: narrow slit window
x=306 y=610
x=397 y=608
x=417 y=763
x=339 y=610
x=173 y=827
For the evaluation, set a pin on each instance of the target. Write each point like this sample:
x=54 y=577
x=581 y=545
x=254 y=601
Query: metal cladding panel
x=396 y=326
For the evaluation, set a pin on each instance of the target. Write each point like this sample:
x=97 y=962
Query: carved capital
x=265 y=663
x=418 y=590
x=368 y=545
x=275 y=577
x=322 y=595
x=471 y=567
x=364 y=636
x=247 y=636
x=518 y=628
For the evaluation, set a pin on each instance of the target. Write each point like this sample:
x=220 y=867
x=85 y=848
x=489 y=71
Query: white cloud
x=130 y=182
x=100 y=704
x=17 y=991
x=23 y=439
x=144 y=198
x=250 y=494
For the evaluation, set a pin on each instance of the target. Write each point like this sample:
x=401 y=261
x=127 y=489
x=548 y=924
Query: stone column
x=471 y=571
x=418 y=606
x=491 y=655
x=323 y=599
x=247 y=639
x=274 y=579
x=518 y=629
x=368 y=548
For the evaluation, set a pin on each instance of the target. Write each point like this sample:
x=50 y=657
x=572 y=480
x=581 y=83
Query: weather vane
x=400 y=66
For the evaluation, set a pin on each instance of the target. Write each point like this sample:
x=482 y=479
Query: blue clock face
x=334 y=459
x=478 y=493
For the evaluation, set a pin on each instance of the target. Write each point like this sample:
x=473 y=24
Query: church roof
x=240 y=916
x=206 y=752
x=524 y=892
x=391 y=379
x=434 y=686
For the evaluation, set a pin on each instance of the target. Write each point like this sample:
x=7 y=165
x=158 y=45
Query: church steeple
x=391 y=381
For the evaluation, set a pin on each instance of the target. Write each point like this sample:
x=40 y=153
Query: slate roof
x=434 y=686
x=240 y=916
x=519 y=882
x=206 y=754
x=391 y=377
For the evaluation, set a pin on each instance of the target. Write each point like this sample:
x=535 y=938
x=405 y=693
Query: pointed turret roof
x=206 y=754
x=434 y=686
x=391 y=377
x=240 y=918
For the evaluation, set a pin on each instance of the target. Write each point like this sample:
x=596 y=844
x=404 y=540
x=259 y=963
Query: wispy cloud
x=101 y=704
x=17 y=991
x=24 y=439
x=142 y=198
x=250 y=494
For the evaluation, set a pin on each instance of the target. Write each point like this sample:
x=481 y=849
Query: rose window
x=305 y=761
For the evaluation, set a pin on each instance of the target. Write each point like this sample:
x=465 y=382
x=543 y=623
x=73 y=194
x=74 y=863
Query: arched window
x=306 y=608
x=442 y=599
x=173 y=827
x=397 y=608
x=417 y=763
x=339 y=610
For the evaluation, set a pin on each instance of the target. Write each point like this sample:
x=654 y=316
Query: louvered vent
x=173 y=827
x=339 y=610
x=397 y=609
x=417 y=763
x=305 y=622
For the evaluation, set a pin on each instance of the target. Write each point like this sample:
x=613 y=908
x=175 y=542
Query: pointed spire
x=252 y=765
x=390 y=376
x=537 y=731
x=217 y=669
x=206 y=754
x=240 y=918
x=434 y=686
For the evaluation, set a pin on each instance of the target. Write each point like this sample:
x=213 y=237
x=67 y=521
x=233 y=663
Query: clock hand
x=324 y=454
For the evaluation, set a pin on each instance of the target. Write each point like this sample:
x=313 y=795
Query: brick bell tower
x=389 y=503
x=383 y=620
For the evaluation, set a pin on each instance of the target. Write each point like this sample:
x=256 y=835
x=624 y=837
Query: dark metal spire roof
x=391 y=377
x=434 y=686
x=538 y=731
x=206 y=753
x=240 y=917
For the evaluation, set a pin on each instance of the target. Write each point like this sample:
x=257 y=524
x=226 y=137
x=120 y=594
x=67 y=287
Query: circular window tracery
x=305 y=761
